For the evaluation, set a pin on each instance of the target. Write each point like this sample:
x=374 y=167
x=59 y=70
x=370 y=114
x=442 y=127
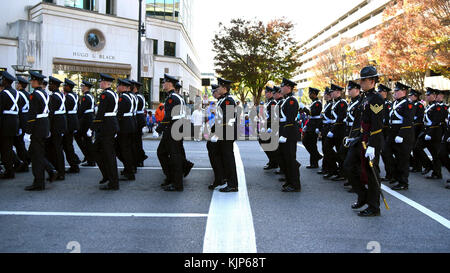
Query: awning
x=90 y=66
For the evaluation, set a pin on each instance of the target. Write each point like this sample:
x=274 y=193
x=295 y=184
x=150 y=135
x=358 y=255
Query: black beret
x=383 y=88
x=36 y=75
x=168 y=78
x=353 y=85
x=54 y=80
x=124 y=82
x=401 y=86
x=221 y=81
x=314 y=90
x=8 y=76
x=413 y=92
x=269 y=89
x=87 y=84
x=368 y=72
x=335 y=88
x=69 y=83
x=287 y=82
x=106 y=78
x=22 y=80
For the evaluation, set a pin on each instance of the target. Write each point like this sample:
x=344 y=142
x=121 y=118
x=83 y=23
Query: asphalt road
x=142 y=218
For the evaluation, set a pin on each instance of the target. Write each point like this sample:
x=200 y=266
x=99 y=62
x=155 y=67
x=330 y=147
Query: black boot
x=369 y=212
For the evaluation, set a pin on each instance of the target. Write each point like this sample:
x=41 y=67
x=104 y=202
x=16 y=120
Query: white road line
x=147 y=168
x=229 y=228
x=103 y=214
x=418 y=206
x=187 y=152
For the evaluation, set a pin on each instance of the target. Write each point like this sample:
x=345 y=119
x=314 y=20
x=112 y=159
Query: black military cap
x=221 y=81
x=178 y=86
x=8 y=76
x=327 y=91
x=87 y=84
x=106 y=78
x=383 y=88
x=54 y=80
x=45 y=82
x=136 y=83
x=269 y=89
x=431 y=91
x=22 y=80
x=353 y=85
x=168 y=78
x=69 y=83
x=335 y=88
x=368 y=72
x=36 y=75
x=413 y=92
x=314 y=90
x=214 y=86
x=287 y=82
x=276 y=89
x=124 y=82
x=401 y=86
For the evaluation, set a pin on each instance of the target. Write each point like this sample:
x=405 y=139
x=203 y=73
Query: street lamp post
x=141 y=32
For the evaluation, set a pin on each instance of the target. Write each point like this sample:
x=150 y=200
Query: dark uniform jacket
x=24 y=105
x=372 y=120
x=125 y=114
x=401 y=118
x=9 y=112
x=226 y=117
x=105 y=122
x=172 y=113
x=140 y=114
x=315 y=119
x=269 y=108
x=327 y=117
x=72 y=109
x=288 y=115
x=432 y=120
x=38 y=122
x=353 y=119
x=86 y=112
x=339 y=112
x=420 y=111
x=57 y=114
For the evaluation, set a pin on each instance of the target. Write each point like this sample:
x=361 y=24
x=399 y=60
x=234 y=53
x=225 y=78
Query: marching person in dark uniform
x=104 y=128
x=278 y=96
x=444 y=151
x=313 y=128
x=9 y=123
x=418 y=128
x=140 y=123
x=170 y=151
x=225 y=134
x=356 y=166
x=23 y=156
x=127 y=129
x=213 y=152
x=58 y=126
x=440 y=101
x=399 y=143
x=85 y=115
x=431 y=137
x=337 y=131
x=328 y=166
x=72 y=126
x=288 y=137
x=383 y=91
x=268 y=110
x=38 y=126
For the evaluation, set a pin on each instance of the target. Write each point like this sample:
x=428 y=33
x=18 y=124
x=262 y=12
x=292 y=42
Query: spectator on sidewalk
x=151 y=121
x=197 y=120
x=159 y=113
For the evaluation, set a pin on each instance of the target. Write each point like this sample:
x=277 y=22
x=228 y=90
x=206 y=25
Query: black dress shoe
x=109 y=188
x=347 y=184
x=88 y=164
x=166 y=183
x=369 y=212
x=128 y=177
x=215 y=185
x=386 y=179
x=73 y=169
x=358 y=205
x=312 y=167
x=52 y=176
x=172 y=188
x=188 y=169
x=278 y=172
x=229 y=189
x=103 y=181
x=289 y=188
x=329 y=175
x=448 y=184
x=35 y=188
x=400 y=187
x=270 y=167
x=322 y=172
x=426 y=171
x=434 y=177
x=338 y=178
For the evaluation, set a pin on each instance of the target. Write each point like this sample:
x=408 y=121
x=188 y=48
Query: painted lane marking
x=103 y=214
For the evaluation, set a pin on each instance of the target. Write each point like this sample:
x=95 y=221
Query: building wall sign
x=94 y=40
x=93 y=56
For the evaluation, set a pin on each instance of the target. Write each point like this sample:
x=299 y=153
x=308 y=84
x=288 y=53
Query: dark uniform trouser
x=125 y=152
x=22 y=152
x=71 y=156
x=226 y=151
x=7 y=153
x=398 y=166
x=271 y=155
x=337 y=143
x=310 y=143
x=444 y=154
x=54 y=152
x=327 y=164
x=289 y=156
x=105 y=156
x=353 y=171
x=216 y=161
x=140 y=153
x=433 y=146
x=39 y=163
x=385 y=156
x=414 y=158
x=170 y=155
x=85 y=143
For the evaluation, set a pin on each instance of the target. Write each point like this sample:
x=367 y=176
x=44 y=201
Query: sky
x=309 y=17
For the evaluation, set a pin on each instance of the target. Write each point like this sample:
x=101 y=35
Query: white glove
x=20 y=131
x=27 y=137
x=330 y=135
x=317 y=131
x=89 y=133
x=448 y=139
x=155 y=134
x=427 y=138
x=263 y=130
x=370 y=153
x=301 y=105
x=269 y=130
x=398 y=139
x=214 y=139
x=282 y=139
x=145 y=130
x=347 y=142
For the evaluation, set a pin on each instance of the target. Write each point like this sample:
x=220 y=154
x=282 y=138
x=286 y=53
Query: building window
x=163 y=9
x=110 y=8
x=155 y=47
x=81 y=4
x=169 y=49
x=48 y=1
